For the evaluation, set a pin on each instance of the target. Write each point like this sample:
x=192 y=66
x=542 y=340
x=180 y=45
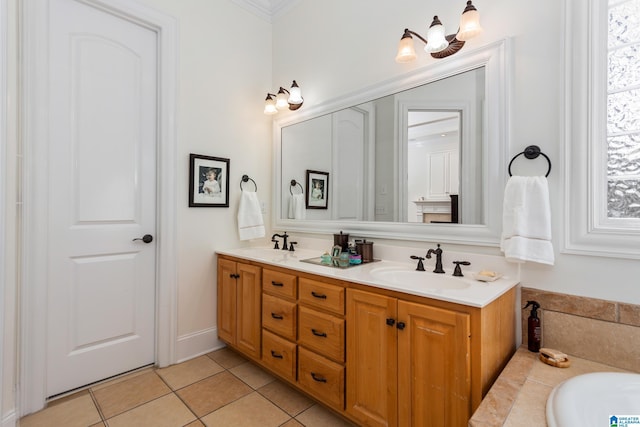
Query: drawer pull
x=276 y=355
x=277 y=316
x=318 y=334
x=318 y=378
x=278 y=284
x=320 y=296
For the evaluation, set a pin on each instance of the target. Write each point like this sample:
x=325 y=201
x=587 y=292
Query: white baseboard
x=9 y=419
x=197 y=343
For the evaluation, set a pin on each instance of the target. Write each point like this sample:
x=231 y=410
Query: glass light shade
x=270 y=106
x=436 y=40
x=281 y=100
x=406 y=51
x=295 y=95
x=469 y=25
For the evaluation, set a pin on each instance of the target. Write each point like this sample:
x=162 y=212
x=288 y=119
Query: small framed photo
x=317 y=189
x=208 y=182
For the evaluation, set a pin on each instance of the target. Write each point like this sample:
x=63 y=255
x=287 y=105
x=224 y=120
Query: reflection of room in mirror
x=433 y=159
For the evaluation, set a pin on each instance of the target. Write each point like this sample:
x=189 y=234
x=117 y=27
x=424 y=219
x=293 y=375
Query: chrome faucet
x=284 y=236
x=438 y=253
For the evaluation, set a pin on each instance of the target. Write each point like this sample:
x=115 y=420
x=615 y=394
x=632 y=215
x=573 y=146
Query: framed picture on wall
x=208 y=182
x=317 y=189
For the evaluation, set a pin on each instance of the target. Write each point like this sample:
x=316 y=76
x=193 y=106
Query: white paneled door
x=102 y=195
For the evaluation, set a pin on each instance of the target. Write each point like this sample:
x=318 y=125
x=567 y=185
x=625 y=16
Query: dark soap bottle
x=534 y=328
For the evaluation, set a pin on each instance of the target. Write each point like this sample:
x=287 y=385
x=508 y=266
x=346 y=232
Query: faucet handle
x=291 y=249
x=458 y=271
x=420 y=266
x=276 y=246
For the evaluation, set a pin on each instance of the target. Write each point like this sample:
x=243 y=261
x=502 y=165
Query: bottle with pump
x=534 y=329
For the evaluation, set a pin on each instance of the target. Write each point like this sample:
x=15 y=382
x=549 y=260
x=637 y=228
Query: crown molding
x=269 y=10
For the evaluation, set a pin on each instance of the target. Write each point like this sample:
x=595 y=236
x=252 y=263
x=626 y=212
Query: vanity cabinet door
x=434 y=383
x=371 y=358
x=239 y=306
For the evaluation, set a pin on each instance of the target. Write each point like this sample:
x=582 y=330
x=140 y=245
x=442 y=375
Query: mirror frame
x=496 y=58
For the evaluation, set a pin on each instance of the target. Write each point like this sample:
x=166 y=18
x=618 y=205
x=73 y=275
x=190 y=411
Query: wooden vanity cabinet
x=410 y=363
x=239 y=306
x=377 y=357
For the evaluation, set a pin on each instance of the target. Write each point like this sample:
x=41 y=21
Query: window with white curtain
x=602 y=128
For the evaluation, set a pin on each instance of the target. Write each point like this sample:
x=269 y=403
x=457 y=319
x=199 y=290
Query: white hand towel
x=526 y=220
x=250 y=222
x=297 y=208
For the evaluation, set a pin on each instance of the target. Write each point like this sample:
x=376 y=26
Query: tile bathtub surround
x=220 y=388
x=519 y=395
x=587 y=327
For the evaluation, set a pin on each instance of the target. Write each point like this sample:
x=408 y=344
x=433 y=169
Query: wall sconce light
x=437 y=43
x=291 y=98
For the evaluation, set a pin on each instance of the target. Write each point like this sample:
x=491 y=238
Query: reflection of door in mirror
x=305 y=146
x=433 y=159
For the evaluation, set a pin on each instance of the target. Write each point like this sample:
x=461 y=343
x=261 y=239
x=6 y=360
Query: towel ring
x=245 y=178
x=293 y=184
x=531 y=152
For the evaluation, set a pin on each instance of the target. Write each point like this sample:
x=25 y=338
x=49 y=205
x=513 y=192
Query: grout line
x=98 y=408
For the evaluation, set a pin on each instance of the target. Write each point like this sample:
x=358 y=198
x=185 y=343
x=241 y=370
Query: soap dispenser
x=534 y=328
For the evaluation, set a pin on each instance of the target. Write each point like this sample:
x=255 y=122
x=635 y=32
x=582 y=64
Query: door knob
x=147 y=238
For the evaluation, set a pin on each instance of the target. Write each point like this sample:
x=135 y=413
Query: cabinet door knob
x=320 y=296
x=276 y=355
x=391 y=322
x=318 y=378
x=277 y=316
x=400 y=325
x=318 y=334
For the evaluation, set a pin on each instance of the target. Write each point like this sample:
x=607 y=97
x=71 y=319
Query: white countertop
x=477 y=294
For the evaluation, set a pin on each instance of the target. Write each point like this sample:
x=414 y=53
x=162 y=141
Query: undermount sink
x=418 y=279
x=595 y=400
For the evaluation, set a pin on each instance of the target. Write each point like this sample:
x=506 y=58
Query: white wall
x=335 y=47
x=224 y=72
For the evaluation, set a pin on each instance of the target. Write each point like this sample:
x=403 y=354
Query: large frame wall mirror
x=421 y=157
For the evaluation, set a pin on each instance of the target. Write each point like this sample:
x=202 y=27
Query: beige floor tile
x=80 y=412
x=100 y=424
x=318 y=416
x=167 y=411
x=286 y=398
x=196 y=423
x=189 y=372
x=292 y=423
x=124 y=395
x=121 y=378
x=227 y=358
x=212 y=393
x=252 y=410
x=252 y=375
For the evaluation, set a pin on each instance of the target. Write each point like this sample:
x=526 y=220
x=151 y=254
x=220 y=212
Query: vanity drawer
x=322 y=295
x=322 y=333
x=277 y=283
x=279 y=354
x=321 y=377
x=279 y=316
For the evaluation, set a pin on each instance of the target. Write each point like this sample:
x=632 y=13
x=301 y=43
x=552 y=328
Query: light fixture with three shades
x=291 y=99
x=437 y=43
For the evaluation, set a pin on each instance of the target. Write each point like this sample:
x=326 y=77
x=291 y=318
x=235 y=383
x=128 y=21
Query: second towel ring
x=245 y=178
x=531 y=152
x=293 y=184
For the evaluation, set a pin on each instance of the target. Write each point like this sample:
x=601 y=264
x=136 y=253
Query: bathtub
x=594 y=400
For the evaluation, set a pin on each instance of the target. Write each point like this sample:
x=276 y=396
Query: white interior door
x=102 y=194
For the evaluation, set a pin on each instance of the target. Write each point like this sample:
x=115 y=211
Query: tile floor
x=218 y=389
